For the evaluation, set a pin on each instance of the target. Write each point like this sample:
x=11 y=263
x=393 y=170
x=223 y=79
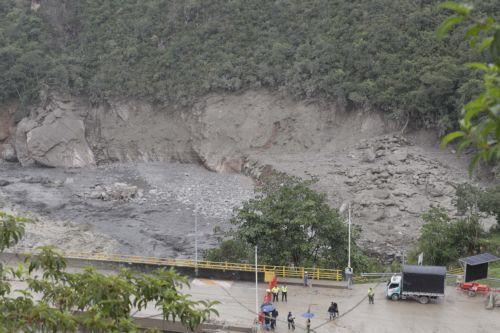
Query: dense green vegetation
x=445 y=239
x=55 y=300
x=473 y=200
x=381 y=54
x=292 y=225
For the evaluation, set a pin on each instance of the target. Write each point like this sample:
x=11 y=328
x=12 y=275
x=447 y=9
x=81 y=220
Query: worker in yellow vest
x=371 y=296
x=284 y=293
x=276 y=292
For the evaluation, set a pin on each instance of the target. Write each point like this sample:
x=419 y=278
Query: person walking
x=335 y=310
x=306 y=279
x=267 y=320
x=291 y=321
x=284 y=293
x=371 y=296
x=308 y=325
x=331 y=311
x=274 y=315
x=276 y=293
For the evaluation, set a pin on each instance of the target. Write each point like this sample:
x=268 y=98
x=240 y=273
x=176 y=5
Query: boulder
x=54 y=139
x=398 y=155
x=117 y=191
x=60 y=142
x=382 y=195
x=8 y=153
x=368 y=156
x=122 y=191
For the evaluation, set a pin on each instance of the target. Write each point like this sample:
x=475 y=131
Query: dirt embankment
x=360 y=158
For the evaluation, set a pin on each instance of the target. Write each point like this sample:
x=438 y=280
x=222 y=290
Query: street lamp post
x=348 y=270
x=196 y=242
x=256 y=286
x=349 y=239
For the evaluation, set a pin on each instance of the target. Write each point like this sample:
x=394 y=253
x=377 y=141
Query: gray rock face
x=60 y=142
x=54 y=138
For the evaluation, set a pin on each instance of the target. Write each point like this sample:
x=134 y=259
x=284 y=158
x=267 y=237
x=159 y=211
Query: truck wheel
x=395 y=297
x=423 y=299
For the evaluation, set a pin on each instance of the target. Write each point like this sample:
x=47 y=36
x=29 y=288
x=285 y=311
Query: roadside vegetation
x=382 y=55
x=56 y=300
x=447 y=237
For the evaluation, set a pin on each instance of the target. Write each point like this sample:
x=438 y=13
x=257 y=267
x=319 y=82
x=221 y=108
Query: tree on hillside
x=292 y=224
x=472 y=200
x=480 y=123
x=443 y=240
x=58 y=301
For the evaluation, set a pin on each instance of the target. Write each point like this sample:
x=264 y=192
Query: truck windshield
x=393 y=285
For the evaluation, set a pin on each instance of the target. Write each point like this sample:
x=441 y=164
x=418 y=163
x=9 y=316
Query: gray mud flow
x=157 y=221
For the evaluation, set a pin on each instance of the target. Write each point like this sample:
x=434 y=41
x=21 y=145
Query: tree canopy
x=291 y=224
x=380 y=54
x=444 y=239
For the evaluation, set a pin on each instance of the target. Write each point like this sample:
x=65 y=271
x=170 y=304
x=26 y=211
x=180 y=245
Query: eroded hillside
x=359 y=157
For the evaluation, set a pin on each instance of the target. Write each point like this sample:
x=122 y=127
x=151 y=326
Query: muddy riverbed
x=157 y=220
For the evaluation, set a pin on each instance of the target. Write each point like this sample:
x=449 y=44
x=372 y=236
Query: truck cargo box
x=424 y=279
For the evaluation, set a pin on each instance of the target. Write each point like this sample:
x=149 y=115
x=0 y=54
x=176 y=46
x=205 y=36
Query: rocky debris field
x=139 y=209
x=389 y=180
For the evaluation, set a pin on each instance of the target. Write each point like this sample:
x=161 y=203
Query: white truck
x=422 y=283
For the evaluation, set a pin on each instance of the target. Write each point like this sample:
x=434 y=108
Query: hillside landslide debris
x=143 y=170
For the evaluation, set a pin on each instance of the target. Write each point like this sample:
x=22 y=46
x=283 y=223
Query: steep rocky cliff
x=360 y=157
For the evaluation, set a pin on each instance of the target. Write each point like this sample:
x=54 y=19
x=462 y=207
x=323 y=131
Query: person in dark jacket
x=331 y=311
x=267 y=320
x=335 y=310
x=291 y=321
x=274 y=315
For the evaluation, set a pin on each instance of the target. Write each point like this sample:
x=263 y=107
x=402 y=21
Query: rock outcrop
x=53 y=136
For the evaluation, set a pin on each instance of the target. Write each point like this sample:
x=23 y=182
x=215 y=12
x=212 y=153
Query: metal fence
x=279 y=271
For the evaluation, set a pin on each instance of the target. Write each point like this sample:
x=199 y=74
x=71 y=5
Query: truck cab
x=393 y=288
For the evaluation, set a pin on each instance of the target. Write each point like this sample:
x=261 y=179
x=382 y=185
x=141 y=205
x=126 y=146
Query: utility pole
x=196 y=242
x=256 y=286
x=349 y=240
x=348 y=270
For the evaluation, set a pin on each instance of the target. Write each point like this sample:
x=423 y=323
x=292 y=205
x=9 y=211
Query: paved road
x=456 y=313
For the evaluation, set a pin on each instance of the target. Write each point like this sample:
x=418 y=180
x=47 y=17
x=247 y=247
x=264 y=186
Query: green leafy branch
x=480 y=123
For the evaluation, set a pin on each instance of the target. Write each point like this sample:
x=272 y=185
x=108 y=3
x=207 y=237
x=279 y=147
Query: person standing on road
x=335 y=310
x=284 y=293
x=331 y=311
x=274 y=315
x=371 y=296
x=291 y=321
x=267 y=320
x=306 y=279
x=276 y=293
